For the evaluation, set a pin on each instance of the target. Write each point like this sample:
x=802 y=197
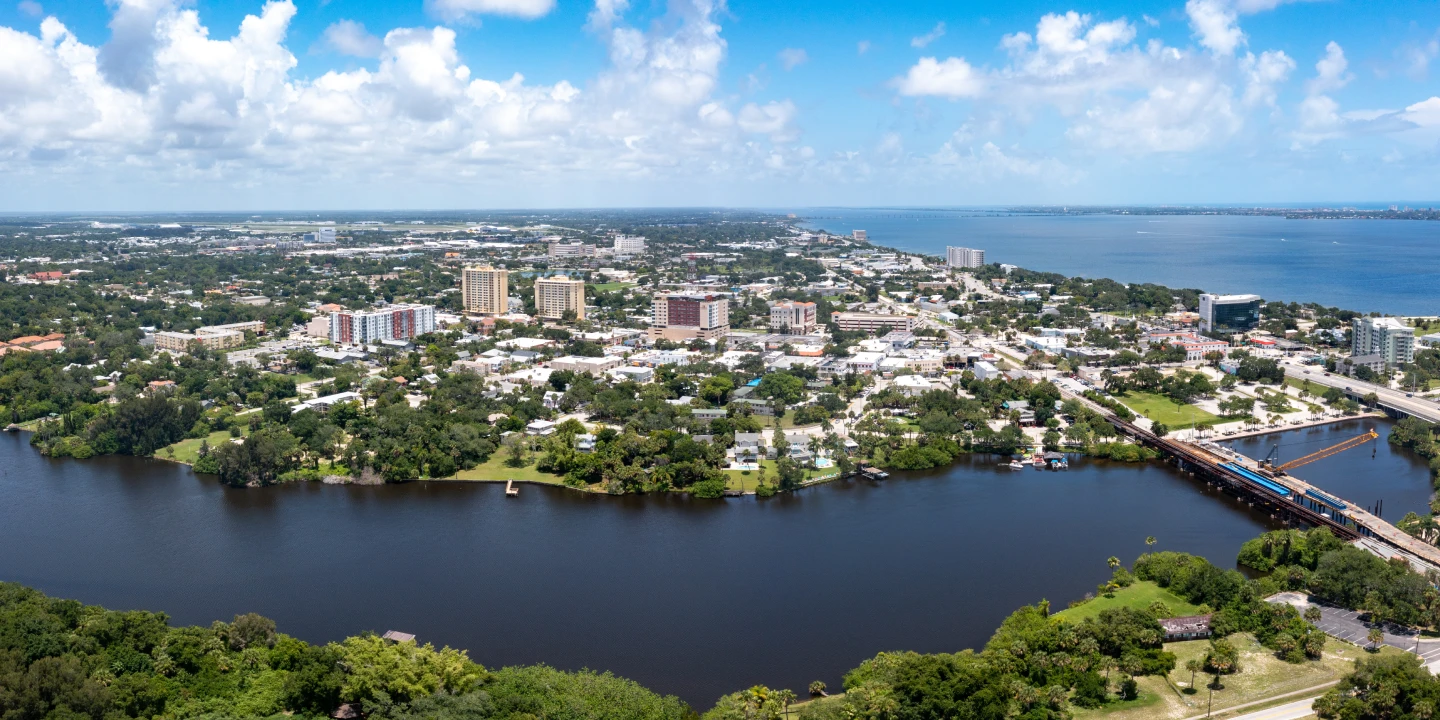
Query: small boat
x=1038 y=460
x=1014 y=465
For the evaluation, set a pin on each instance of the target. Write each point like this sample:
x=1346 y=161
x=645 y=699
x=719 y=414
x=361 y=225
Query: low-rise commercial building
x=873 y=322
x=588 y=365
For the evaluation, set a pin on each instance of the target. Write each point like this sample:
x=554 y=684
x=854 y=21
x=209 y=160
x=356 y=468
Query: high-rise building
x=677 y=316
x=629 y=244
x=485 y=290
x=860 y=235
x=395 y=322
x=1229 y=313
x=793 y=318
x=1392 y=340
x=959 y=257
x=555 y=295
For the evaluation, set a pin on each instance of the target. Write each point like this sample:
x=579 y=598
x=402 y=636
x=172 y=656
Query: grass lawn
x=187 y=451
x=1261 y=676
x=496 y=469
x=1163 y=410
x=740 y=480
x=1139 y=596
x=610 y=286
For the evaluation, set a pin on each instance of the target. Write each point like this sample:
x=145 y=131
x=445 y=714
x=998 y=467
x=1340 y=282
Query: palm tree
x=1150 y=540
x=1113 y=562
x=785 y=698
x=817 y=688
x=1375 y=637
x=1313 y=614
x=1193 y=665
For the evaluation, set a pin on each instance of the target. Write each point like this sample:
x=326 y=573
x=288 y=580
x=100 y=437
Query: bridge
x=1396 y=403
x=1285 y=497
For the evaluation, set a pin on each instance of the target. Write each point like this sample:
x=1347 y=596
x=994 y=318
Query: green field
x=1140 y=596
x=610 y=286
x=1162 y=409
x=188 y=451
x=496 y=470
x=740 y=480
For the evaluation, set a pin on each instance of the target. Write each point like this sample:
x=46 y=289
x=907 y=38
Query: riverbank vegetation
x=60 y=659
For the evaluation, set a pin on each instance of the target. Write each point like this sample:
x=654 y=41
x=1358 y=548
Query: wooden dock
x=511 y=490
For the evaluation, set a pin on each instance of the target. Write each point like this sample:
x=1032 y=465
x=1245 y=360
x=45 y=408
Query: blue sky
x=166 y=104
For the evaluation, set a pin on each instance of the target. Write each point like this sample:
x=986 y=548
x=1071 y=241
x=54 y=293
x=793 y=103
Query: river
x=1387 y=266
x=691 y=597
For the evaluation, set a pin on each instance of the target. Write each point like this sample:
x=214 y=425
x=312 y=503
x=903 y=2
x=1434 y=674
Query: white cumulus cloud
x=953 y=78
x=348 y=37
x=171 y=100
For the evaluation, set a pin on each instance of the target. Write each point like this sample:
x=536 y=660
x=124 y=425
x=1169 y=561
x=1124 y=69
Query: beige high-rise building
x=555 y=295
x=485 y=290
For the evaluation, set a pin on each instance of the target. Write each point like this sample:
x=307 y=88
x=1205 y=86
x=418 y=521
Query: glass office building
x=1229 y=313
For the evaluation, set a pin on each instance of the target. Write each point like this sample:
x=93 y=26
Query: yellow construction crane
x=1357 y=441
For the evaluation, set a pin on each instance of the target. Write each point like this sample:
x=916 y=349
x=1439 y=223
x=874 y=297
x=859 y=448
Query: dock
x=511 y=490
x=1286 y=497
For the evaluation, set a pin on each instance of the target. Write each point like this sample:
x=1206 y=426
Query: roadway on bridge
x=1419 y=407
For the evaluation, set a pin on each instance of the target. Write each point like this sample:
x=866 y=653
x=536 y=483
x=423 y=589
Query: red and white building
x=396 y=322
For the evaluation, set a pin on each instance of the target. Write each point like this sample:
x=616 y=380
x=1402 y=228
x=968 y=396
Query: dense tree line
x=60 y=659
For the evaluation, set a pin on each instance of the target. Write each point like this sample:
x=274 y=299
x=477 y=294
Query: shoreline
x=1305 y=425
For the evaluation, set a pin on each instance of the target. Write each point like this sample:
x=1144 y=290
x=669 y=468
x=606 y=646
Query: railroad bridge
x=1286 y=497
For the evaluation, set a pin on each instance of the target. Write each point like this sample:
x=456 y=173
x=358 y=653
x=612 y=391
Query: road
x=1419 y=407
x=1288 y=711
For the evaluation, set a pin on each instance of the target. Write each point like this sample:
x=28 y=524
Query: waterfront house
x=1190 y=627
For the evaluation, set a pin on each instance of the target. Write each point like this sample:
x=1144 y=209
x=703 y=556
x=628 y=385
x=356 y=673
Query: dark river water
x=695 y=598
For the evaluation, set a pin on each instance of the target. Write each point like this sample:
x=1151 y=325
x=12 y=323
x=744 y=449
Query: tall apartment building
x=629 y=244
x=872 y=322
x=676 y=316
x=860 y=235
x=1392 y=340
x=959 y=257
x=557 y=250
x=555 y=295
x=485 y=290
x=396 y=322
x=793 y=318
x=1229 y=313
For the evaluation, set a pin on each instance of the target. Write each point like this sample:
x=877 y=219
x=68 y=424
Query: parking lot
x=1347 y=625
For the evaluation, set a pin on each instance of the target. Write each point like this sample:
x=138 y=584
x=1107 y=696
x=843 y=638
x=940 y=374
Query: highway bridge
x=1396 y=403
x=1285 y=497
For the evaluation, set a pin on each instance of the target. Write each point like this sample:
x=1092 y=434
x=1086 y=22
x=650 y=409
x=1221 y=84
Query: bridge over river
x=1286 y=497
